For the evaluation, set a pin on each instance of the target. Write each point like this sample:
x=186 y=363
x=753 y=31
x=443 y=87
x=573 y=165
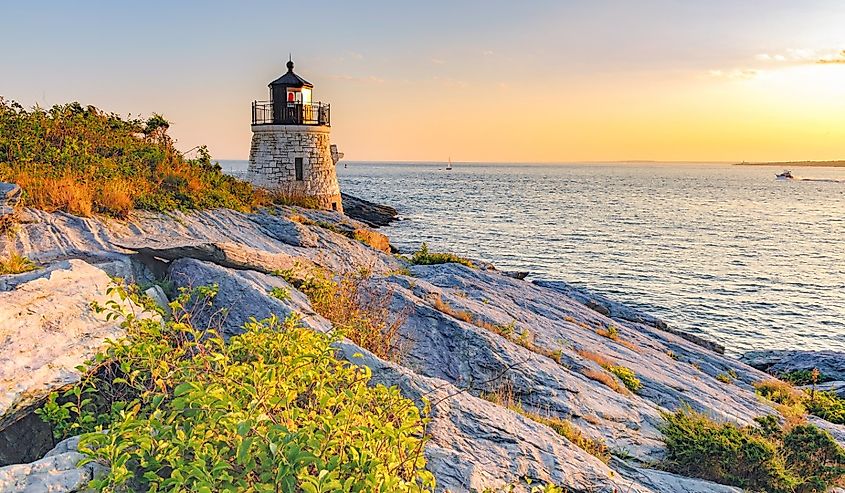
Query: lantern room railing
x=266 y=113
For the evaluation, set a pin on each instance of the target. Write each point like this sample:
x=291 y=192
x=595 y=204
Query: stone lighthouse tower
x=291 y=150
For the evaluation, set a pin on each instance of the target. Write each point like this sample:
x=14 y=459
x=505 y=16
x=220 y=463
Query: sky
x=526 y=81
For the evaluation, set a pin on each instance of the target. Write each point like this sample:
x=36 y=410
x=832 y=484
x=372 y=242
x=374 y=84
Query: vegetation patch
x=798 y=459
x=727 y=377
x=372 y=239
x=425 y=257
x=624 y=374
x=272 y=410
x=504 y=397
x=628 y=377
x=356 y=310
x=83 y=160
x=281 y=294
x=825 y=405
x=509 y=331
x=612 y=333
x=15 y=263
x=804 y=377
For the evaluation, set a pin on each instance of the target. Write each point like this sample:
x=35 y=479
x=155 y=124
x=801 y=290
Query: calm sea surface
x=722 y=250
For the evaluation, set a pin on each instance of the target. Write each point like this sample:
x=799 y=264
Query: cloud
x=765 y=57
x=800 y=56
x=837 y=58
x=735 y=74
x=438 y=61
x=487 y=52
x=450 y=82
x=369 y=79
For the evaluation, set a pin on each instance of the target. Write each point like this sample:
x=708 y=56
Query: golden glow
x=793 y=112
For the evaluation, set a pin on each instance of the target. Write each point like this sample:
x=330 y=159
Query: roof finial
x=290 y=63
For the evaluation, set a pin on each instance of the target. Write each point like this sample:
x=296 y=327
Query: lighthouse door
x=294 y=106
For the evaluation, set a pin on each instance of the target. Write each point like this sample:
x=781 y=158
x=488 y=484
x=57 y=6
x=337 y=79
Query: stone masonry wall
x=272 y=162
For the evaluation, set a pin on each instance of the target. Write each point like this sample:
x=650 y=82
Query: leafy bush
x=272 y=410
x=84 y=160
x=802 y=459
x=424 y=257
x=281 y=294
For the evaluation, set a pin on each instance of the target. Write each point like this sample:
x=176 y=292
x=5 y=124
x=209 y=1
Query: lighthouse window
x=297 y=164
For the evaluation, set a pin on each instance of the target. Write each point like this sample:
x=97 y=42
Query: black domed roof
x=290 y=79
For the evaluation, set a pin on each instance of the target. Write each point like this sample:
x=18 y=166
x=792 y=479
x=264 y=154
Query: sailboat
x=449 y=166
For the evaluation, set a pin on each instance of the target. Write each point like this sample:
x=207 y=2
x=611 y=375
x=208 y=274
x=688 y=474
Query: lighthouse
x=291 y=149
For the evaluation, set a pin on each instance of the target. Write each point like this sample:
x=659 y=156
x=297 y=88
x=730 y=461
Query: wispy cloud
x=803 y=56
x=487 y=52
x=837 y=58
x=451 y=82
x=735 y=74
x=764 y=63
x=370 y=79
x=438 y=61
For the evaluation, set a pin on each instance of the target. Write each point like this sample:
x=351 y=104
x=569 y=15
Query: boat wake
x=822 y=180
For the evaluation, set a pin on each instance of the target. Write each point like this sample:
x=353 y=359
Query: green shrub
x=628 y=377
x=272 y=410
x=804 y=377
x=803 y=459
x=826 y=405
x=424 y=257
x=282 y=294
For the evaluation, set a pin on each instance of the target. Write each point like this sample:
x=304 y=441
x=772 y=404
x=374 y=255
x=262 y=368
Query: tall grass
x=15 y=263
x=503 y=396
x=356 y=309
x=83 y=160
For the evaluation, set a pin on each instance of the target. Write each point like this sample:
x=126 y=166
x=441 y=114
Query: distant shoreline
x=798 y=164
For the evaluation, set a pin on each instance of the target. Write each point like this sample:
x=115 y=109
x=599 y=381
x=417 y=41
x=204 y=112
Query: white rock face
x=57 y=472
x=450 y=356
x=48 y=328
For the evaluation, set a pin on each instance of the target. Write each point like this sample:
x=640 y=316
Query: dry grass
x=787 y=400
x=503 y=396
x=358 y=310
x=524 y=338
x=115 y=198
x=372 y=239
x=606 y=379
x=441 y=306
x=612 y=333
x=595 y=358
x=15 y=263
x=630 y=382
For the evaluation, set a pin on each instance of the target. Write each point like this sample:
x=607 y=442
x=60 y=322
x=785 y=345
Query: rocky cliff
x=467 y=333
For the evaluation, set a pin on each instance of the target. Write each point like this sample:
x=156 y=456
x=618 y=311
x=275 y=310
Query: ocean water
x=725 y=251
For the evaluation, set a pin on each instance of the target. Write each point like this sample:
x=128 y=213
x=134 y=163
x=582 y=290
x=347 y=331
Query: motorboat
x=786 y=175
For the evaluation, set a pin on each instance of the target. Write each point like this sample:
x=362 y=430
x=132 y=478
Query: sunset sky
x=524 y=81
